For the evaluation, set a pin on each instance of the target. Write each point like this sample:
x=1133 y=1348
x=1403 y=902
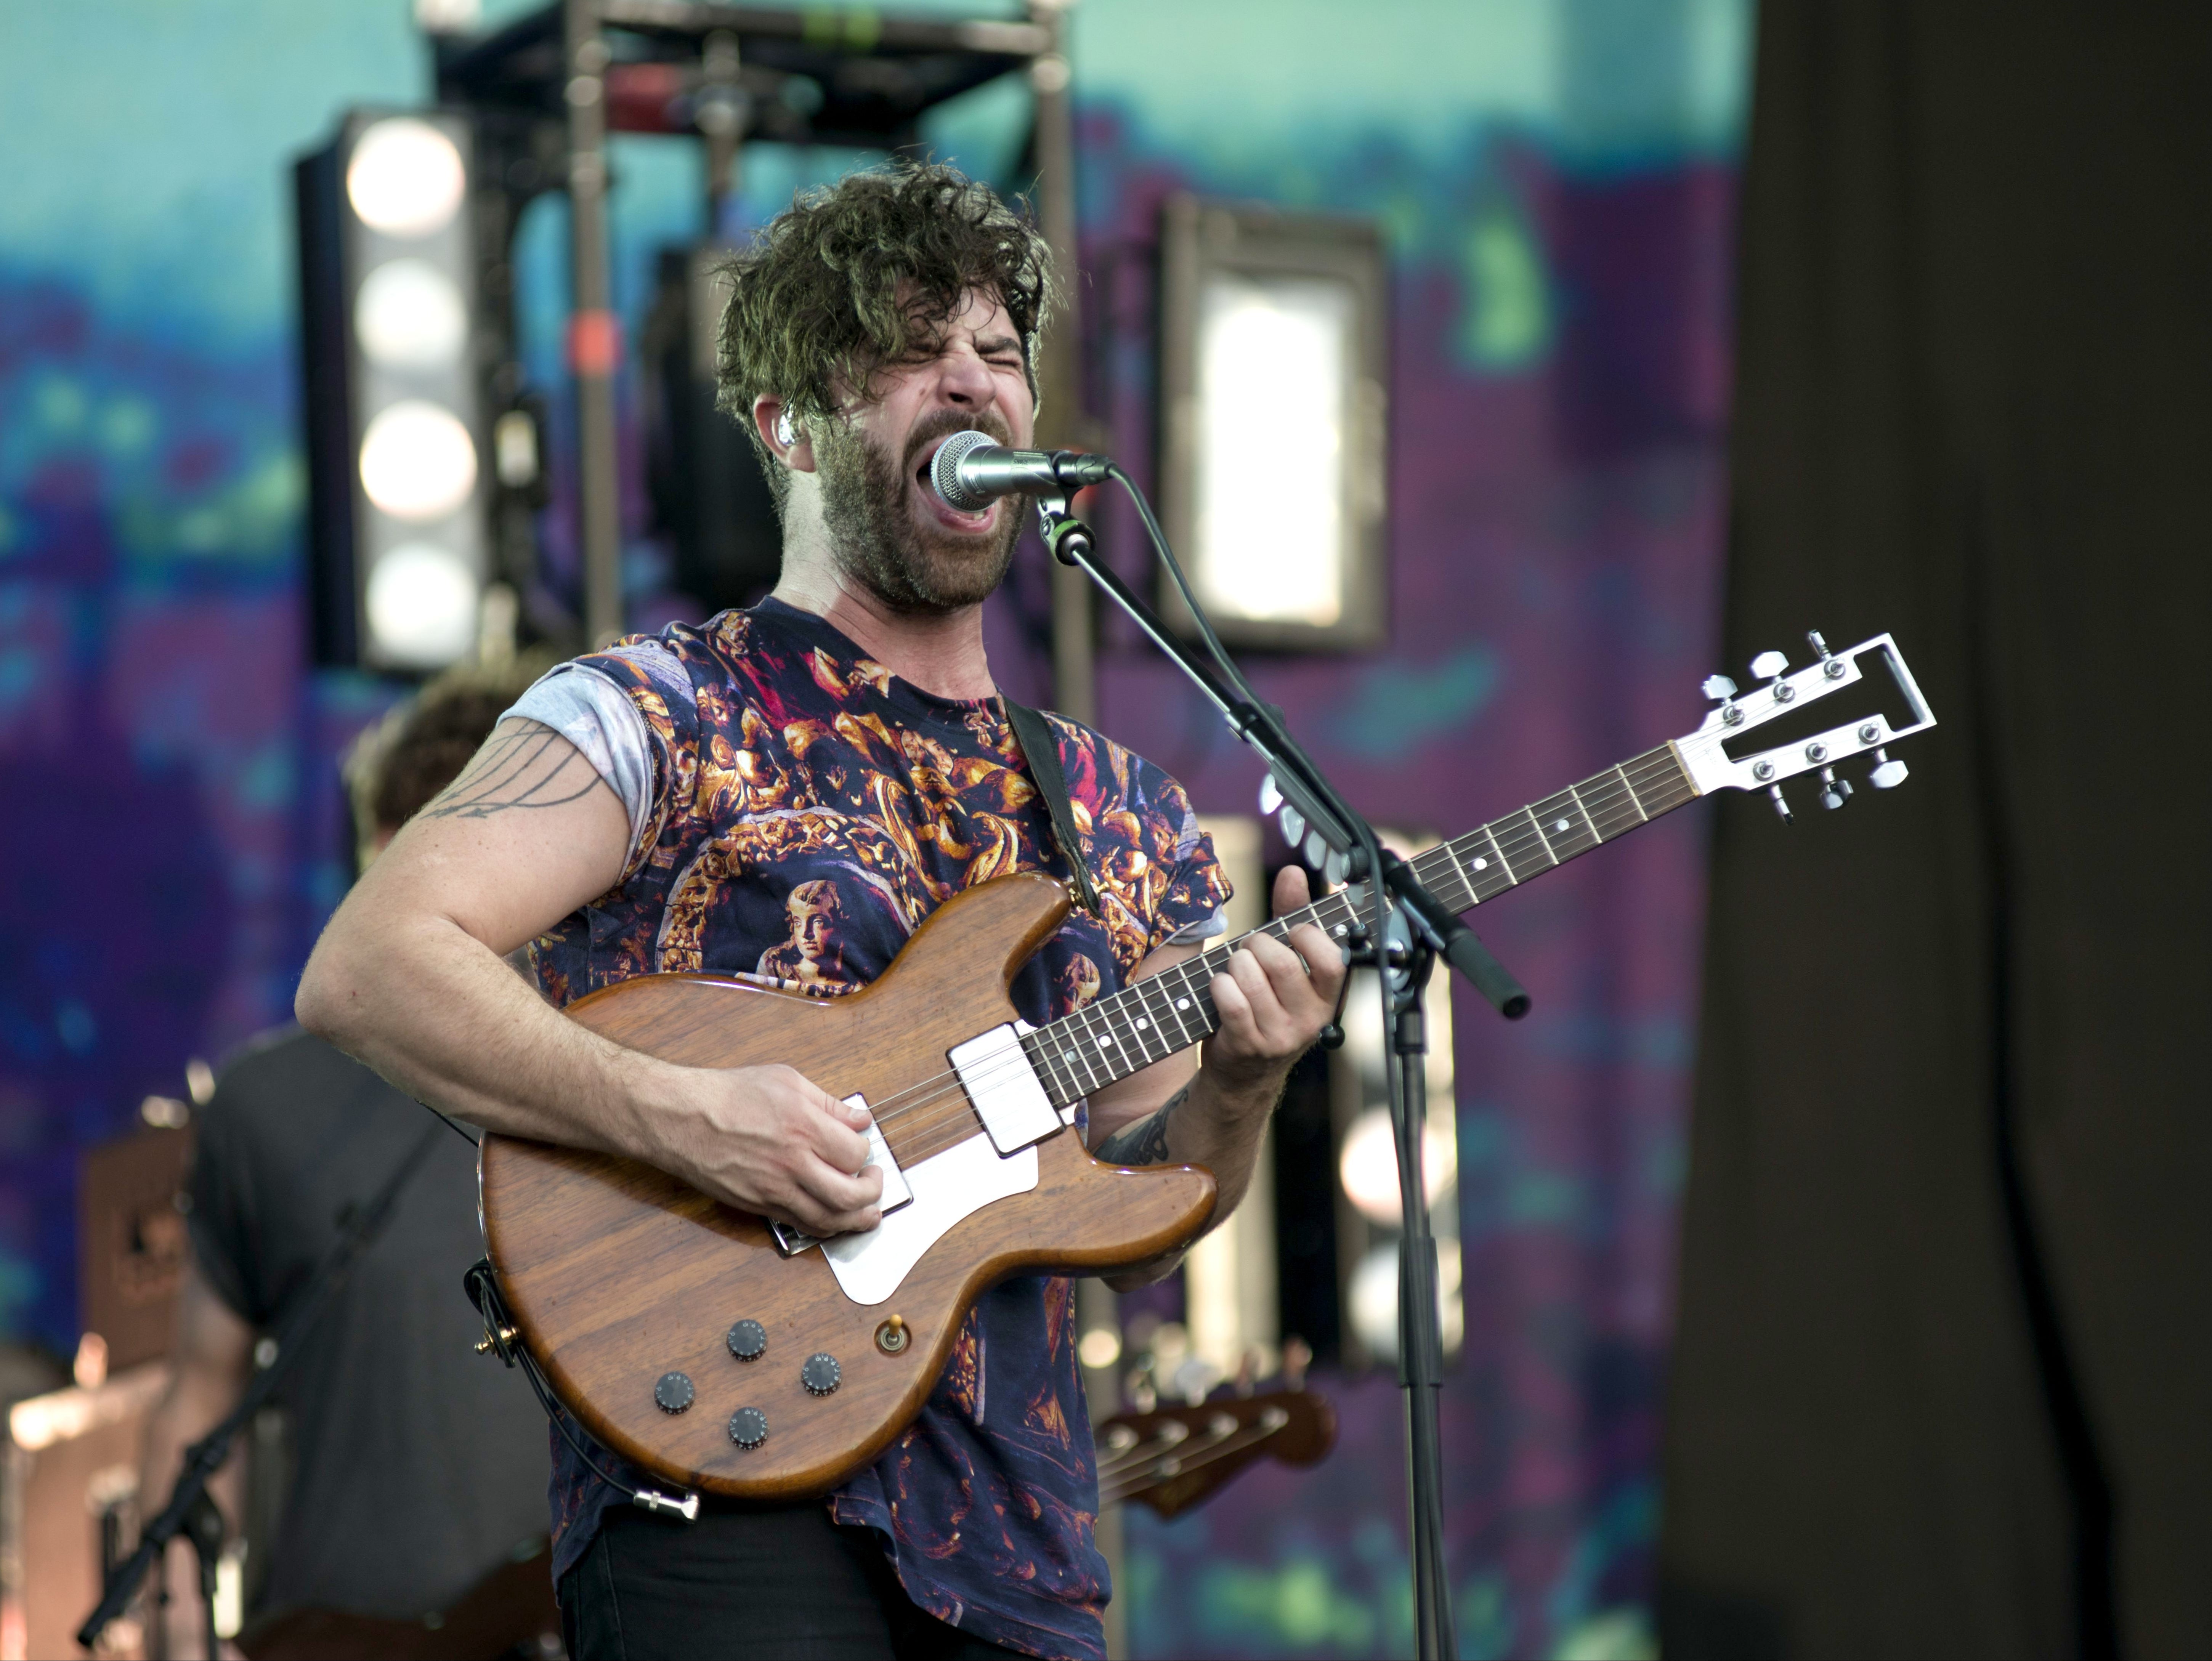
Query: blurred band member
x=415 y=1468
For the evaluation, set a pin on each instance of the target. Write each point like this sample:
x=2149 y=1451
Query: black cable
x=482 y=1285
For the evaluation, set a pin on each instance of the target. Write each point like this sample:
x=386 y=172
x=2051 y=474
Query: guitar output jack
x=892 y=1337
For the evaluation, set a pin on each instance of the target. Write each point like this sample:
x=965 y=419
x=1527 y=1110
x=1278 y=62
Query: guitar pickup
x=1004 y=1089
x=792 y=1241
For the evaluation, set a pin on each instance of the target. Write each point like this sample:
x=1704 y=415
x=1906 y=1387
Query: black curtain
x=1943 y=1381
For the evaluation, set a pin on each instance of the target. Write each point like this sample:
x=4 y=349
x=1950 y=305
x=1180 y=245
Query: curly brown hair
x=864 y=274
x=399 y=765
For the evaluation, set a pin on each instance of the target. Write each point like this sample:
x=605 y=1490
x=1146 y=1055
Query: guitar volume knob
x=821 y=1374
x=748 y=1341
x=749 y=1427
x=671 y=1392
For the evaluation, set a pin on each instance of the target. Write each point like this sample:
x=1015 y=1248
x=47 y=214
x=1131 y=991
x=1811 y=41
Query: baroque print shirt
x=796 y=811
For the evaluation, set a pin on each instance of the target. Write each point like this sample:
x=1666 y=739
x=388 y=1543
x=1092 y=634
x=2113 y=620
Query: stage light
x=1374 y=1297
x=405 y=177
x=1273 y=446
x=422 y=605
x=410 y=315
x=1368 y=1166
x=398 y=450
x=1100 y=1347
x=1271 y=371
x=417 y=461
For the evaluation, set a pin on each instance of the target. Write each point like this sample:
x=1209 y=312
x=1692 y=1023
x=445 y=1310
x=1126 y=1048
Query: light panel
x=399 y=456
x=1272 y=460
x=1273 y=353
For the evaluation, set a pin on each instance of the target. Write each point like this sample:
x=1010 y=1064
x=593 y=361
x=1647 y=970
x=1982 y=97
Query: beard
x=913 y=568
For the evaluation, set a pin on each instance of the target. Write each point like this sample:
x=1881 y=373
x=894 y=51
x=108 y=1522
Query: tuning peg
x=1774 y=794
x=1271 y=796
x=1831 y=665
x=1718 y=687
x=1834 y=792
x=1888 y=774
x=1767 y=665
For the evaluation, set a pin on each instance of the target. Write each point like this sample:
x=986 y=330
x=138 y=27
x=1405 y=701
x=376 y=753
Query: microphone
x=970 y=470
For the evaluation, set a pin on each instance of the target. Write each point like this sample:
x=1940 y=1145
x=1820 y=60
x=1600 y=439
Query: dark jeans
x=781 y=1583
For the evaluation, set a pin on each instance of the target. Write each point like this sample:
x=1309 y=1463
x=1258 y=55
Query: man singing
x=785 y=793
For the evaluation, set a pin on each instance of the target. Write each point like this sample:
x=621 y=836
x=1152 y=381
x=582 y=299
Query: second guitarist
x=785 y=793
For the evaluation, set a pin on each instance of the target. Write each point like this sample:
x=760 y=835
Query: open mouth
x=946 y=514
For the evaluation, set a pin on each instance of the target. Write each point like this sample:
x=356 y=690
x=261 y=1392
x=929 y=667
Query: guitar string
x=1514 y=846
x=1129 y=1483
x=1598 y=824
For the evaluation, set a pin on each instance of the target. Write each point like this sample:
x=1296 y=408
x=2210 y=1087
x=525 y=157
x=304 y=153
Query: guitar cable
x=482 y=1285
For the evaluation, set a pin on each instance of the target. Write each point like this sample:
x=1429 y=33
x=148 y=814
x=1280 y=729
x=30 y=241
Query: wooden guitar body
x=617 y=1274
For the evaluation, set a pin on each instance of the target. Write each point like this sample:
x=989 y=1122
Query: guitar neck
x=1156 y=1017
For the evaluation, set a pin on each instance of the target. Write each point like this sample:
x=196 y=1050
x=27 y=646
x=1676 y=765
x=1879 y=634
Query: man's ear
x=787 y=439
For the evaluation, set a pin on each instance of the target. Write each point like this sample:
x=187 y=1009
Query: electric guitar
x=737 y=1356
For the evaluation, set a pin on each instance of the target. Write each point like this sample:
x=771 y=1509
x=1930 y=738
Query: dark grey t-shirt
x=418 y=1466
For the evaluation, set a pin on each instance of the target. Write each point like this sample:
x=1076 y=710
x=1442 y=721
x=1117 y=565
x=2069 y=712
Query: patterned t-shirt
x=796 y=811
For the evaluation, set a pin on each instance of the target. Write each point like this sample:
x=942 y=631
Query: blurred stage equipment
x=188 y=1510
x=710 y=496
x=1173 y=1456
x=396 y=438
x=1274 y=362
x=69 y=1505
x=1366 y=1167
x=422 y=543
x=1229 y=1277
x=545 y=91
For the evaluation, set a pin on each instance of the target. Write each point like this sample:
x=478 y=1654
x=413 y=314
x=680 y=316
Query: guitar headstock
x=1173 y=1456
x=1716 y=758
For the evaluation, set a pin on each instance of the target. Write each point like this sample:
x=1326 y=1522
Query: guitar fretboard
x=1155 y=1018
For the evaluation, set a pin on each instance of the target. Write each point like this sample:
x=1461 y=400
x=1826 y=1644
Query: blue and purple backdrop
x=1557 y=180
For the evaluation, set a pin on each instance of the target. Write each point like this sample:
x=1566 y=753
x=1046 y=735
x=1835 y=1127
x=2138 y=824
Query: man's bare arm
x=409 y=978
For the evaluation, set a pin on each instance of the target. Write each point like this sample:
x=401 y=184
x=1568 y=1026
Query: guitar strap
x=1042 y=752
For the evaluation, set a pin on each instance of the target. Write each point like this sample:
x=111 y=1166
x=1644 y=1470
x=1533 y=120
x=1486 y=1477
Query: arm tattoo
x=1144 y=1143
x=531 y=767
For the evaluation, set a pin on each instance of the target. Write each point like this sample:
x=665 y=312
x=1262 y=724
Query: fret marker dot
x=1559 y=825
x=1070 y=1054
x=1142 y=1023
x=1183 y=1003
x=1480 y=864
x=1104 y=1041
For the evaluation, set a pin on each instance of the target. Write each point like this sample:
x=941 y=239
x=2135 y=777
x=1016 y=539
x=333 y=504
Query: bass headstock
x=1716 y=756
x=1173 y=1456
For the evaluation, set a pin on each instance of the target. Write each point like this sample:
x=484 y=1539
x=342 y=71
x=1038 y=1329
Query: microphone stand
x=1409 y=930
x=190 y=1511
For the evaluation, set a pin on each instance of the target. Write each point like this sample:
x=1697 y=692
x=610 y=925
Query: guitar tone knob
x=821 y=1374
x=671 y=1392
x=748 y=1341
x=749 y=1427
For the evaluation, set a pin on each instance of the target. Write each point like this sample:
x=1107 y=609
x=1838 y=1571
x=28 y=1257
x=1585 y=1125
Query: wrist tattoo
x=529 y=766
x=1144 y=1143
